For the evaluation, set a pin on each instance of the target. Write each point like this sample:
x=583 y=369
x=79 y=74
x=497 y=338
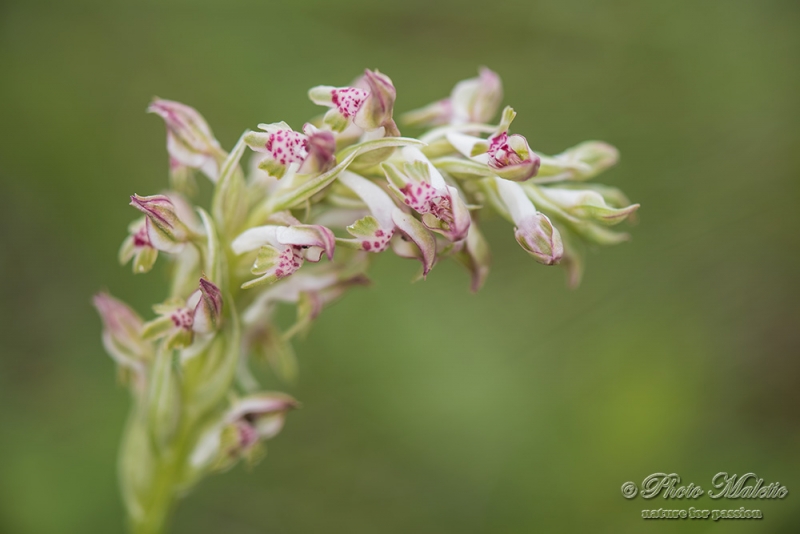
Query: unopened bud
x=189 y=138
x=540 y=239
x=208 y=311
x=164 y=228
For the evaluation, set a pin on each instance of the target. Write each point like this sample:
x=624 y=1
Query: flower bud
x=475 y=100
x=540 y=239
x=581 y=162
x=208 y=311
x=165 y=230
x=122 y=337
x=587 y=204
x=189 y=138
x=534 y=231
x=474 y=255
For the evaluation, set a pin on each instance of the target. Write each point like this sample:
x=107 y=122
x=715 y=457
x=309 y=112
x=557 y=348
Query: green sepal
x=273 y=347
x=163 y=399
x=158 y=327
x=335 y=120
x=144 y=260
x=364 y=227
x=229 y=205
x=208 y=373
x=266 y=259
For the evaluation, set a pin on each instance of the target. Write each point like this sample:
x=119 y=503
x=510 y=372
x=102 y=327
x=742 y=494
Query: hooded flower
x=179 y=319
x=288 y=151
x=190 y=142
x=534 y=232
x=165 y=230
x=421 y=187
x=283 y=249
x=122 y=337
x=369 y=104
x=475 y=100
x=506 y=156
x=373 y=233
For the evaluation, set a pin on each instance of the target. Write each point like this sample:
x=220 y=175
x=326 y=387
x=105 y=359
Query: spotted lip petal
x=374 y=231
x=283 y=249
x=368 y=104
x=308 y=235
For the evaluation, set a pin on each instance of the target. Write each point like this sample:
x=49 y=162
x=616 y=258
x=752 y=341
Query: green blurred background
x=520 y=409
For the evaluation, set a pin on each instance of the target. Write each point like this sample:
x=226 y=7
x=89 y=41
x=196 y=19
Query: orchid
x=347 y=186
x=283 y=249
x=368 y=104
x=506 y=156
x=308 y=152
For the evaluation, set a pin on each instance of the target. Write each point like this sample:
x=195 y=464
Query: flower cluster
x=299 y=226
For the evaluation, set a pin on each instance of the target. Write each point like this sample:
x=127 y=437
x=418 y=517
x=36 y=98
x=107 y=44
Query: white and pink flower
x=369 y=103
x=282 y=250
x=288 y=151
x=422 y=187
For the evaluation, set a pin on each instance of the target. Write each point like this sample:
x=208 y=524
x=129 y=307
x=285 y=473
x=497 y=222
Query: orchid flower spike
x=422 y=187
x=190 y=142
x=123 y=340
x=350 y=172
x=283 y=249
x=472 y=101
x=179 y=319
x=369 y=104
x=506 y=156
x=534 y=231
x=310 y=152
x=374 y=232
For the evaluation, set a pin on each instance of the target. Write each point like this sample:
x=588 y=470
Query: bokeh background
x=520 y=409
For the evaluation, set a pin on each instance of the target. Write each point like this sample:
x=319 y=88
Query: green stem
x=161 y=505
